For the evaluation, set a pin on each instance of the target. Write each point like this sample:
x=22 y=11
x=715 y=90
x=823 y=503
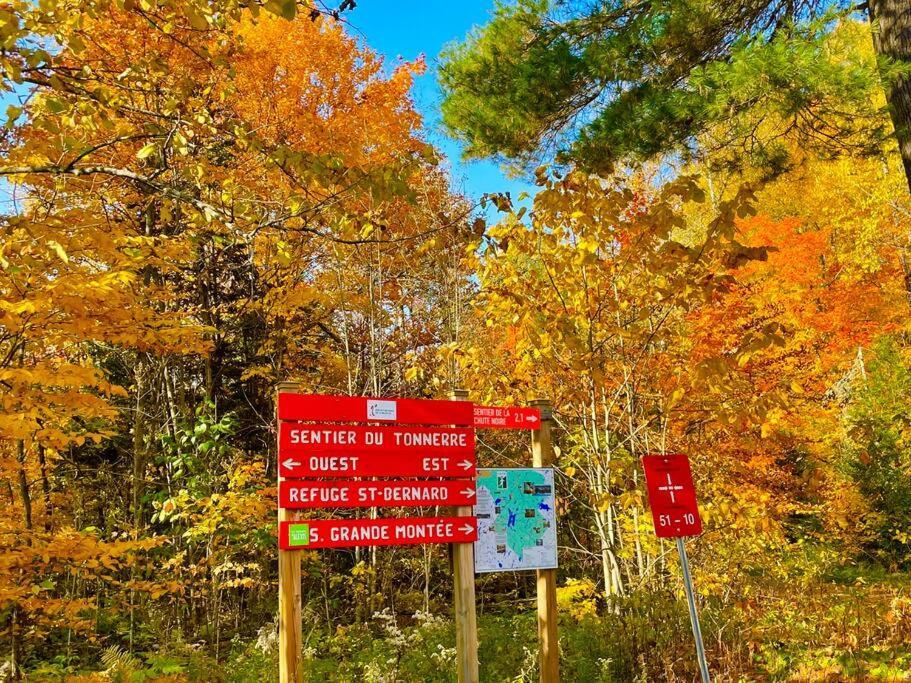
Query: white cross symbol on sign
x=671 y=488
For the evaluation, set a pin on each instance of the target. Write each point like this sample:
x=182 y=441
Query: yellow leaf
x=58 y=249
x=147 y=151
x=675 y=397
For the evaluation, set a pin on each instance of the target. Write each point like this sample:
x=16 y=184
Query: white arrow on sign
x=468 y=492
x=291 y=464
x=465 y=464
x=467 y=528
x=532 y=418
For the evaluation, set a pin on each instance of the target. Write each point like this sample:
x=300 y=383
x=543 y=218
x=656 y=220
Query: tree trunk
x=892 y=39
x=15 y=657
x=24 y=495
x=137 y=478
x=139 y=464
x=26 y=500
x=45 y=488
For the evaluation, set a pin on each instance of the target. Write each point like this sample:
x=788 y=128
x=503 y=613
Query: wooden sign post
x=466 y=620
x=397 y=440
x=423 y=452
x=548 y=645
x=538 y=419
x=290 y=625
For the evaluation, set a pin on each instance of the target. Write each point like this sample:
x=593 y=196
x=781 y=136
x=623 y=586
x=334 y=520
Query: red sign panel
x=672 y=496
x=317 y=408
x=355 y=494
x=345 y=533
x=321 y=439
x=494 y=417
x=377 y=465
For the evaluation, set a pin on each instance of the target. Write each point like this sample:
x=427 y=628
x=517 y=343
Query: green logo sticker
x=298 y=534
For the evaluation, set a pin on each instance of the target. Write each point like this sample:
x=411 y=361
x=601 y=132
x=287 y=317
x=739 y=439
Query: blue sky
x=411 y=29
x=408 y=30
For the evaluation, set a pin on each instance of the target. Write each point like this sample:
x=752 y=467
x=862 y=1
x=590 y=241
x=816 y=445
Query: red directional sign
x=494 y=417
x=352 y=494
x=343 y=533
x=361 y=409
x=322 y=439
x=377 y=465
x=672 y=496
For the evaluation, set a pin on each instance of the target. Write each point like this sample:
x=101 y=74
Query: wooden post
x=548 y=646
x=466 y=620
x=290 y=626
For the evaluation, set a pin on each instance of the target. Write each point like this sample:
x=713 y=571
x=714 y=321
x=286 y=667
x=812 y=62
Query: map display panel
x=517 y=523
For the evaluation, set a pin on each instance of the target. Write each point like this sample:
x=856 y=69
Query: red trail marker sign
x=396 y=440
x=672 y=496
x=345 y=533
x=306 y=494
x=406 y=465
x=511 y=417
x=361 y=409
x=316 y=439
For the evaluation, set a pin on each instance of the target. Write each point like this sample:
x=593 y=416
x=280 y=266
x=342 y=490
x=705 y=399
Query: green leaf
x=197 y=21
x=55 y=106
x=12 y=113
x=283 y=8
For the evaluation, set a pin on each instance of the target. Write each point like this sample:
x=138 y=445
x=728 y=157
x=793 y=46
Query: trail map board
x=516 y=518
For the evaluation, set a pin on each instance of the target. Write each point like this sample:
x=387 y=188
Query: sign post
x=290 y=624
x=466 y=620
x=675 y=513
x=548 y=645
x=694 y=616
x=402 y=453
x=423 y=455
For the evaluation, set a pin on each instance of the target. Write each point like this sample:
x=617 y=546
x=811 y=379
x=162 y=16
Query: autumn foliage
x=208 y=198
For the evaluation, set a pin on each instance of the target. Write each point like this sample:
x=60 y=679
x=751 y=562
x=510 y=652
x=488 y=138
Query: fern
x=120 y=664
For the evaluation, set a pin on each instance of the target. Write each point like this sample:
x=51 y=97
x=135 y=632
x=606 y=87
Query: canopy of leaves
x=611 y=82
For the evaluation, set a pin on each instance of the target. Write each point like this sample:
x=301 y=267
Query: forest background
x=212 y=196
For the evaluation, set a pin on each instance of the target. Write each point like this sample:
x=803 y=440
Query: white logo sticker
x=381 y=410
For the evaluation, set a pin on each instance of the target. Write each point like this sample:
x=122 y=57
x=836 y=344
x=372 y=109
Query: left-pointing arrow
x=291 y=464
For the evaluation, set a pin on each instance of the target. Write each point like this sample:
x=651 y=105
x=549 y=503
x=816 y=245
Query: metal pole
x=694 y=617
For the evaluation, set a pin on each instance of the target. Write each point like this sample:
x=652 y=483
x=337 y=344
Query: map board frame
x=551 y=533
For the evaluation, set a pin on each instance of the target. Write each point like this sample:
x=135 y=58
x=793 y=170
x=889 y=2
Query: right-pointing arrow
x=469 y=492
x=466 y=464
x=467 y=528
